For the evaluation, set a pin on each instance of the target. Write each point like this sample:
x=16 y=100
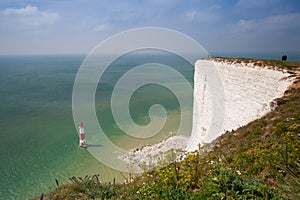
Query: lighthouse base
x=83 y=144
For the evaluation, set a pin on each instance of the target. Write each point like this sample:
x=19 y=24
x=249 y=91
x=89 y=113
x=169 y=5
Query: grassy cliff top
x=271 y=64
x=258 y=161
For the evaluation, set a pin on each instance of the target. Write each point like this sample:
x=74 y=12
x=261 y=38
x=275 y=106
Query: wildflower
x=238 y=172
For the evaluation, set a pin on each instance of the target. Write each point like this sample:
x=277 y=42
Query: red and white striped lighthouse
x=82 y=141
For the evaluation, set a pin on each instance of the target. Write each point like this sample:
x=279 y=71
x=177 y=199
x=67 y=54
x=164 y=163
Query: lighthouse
x=82 y=141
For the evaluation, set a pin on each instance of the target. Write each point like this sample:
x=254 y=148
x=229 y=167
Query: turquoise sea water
x=39 y=141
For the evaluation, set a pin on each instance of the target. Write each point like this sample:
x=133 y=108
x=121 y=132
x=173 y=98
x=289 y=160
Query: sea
x=39 y=140
x=38 y=137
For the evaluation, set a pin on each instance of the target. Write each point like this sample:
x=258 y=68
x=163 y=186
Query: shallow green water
x=39 y=142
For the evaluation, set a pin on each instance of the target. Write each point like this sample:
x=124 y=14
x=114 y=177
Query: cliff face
x=230 y=95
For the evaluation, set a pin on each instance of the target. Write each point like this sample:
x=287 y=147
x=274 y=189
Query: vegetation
x=291 y=67
x=257 y=161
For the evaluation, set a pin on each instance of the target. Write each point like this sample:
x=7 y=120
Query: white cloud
x=252 y=4
x=245 y=25
x=101 y=27
x=201 y=16
x=31 y=15
x=191 y=15
x=270 y=23
x=282 y=21
x=214 y=8
x=28 y=10
x=163 y=2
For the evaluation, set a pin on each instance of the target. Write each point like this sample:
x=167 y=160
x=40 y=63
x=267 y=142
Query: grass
x=271 y=64
x=258 y=161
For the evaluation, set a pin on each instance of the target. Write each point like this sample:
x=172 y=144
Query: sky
x=77 y=26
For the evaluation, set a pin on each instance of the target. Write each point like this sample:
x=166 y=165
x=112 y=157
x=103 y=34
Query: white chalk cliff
x=230 y=95
x=226 y=97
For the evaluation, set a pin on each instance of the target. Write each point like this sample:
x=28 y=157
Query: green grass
x=258 y=161
x=274 y=64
